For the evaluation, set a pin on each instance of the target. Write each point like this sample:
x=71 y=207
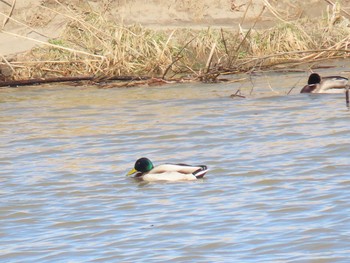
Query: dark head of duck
x=143 y=165
x=314 y=78
x=312 y=82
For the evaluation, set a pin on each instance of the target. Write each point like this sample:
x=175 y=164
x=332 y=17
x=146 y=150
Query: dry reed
x=93 y=45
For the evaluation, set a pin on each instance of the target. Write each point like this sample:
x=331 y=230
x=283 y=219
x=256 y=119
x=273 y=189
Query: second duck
x=329 y=84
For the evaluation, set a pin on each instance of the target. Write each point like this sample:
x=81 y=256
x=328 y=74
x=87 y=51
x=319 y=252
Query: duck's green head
x=142 y=165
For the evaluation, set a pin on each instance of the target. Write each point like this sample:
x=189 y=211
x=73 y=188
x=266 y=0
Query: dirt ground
x=28 y=20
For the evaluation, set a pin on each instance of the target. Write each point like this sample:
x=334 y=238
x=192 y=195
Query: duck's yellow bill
x=132 y=171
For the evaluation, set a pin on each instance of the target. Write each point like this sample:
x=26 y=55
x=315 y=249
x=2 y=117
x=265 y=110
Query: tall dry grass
x=93 y=45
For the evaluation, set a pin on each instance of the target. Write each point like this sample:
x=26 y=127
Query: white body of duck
x=330 y=84
x=145 y=170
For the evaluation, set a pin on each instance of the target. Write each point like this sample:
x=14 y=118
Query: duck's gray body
x=145 y=170
x=330 y=84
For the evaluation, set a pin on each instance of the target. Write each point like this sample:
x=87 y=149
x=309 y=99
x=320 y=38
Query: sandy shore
x=28 y=20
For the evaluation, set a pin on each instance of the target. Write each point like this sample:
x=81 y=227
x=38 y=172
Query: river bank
x=158 y=39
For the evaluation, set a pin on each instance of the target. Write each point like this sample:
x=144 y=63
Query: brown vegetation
x=93 y=45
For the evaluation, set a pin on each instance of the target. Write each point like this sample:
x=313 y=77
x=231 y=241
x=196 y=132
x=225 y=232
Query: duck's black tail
x=201 y=171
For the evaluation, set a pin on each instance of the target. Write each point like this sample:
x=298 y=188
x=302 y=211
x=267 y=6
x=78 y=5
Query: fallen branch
x=134 y=83
x=26 y=82
x=37 y=81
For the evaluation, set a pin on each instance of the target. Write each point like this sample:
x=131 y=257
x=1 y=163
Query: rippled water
x=278 y=188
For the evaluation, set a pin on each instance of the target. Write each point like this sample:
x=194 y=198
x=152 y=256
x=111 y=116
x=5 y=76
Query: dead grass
x=93 y=45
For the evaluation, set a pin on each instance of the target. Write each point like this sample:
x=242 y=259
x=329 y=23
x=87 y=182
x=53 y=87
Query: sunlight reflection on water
x=277 y=189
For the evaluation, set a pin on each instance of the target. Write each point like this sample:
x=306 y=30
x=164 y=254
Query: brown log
x=128 y=78
x=37 y=81
x=26 y=82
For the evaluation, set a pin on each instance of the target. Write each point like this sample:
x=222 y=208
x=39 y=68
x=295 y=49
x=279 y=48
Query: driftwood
x=116 y=81
x=37 y=81
x=133 y=83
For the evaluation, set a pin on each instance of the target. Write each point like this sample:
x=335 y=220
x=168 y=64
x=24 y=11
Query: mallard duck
x=330 y=84
x=145 y=170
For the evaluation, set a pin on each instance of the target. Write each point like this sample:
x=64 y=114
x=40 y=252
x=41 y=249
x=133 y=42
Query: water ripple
x=277 y=190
